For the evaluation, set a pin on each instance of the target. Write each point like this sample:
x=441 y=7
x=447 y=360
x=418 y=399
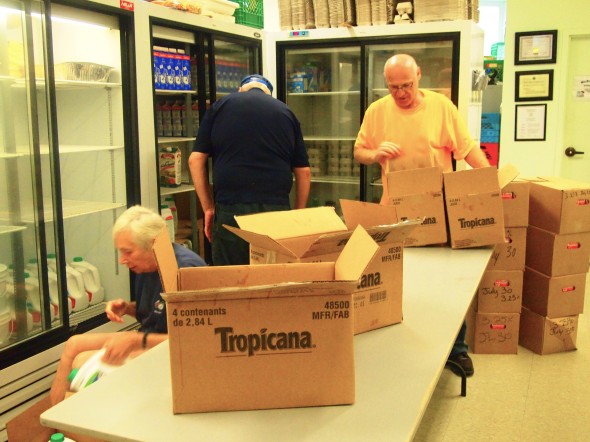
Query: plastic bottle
x=91 y=371
x=159 y=120
x=76 y=291
x=195 y=115
x=52 y=262
x=91 y=279
x=167 y=216
x=169 y=201
x=167 y=119
x=34 y=298
x=59 y=437
x=176 y=112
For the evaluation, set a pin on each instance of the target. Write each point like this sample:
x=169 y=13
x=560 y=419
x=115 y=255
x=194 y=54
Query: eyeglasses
x=402 y=87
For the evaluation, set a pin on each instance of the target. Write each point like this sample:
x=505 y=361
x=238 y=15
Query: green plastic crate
x=250 y=13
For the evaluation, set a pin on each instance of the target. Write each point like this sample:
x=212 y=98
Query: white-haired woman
x=134 y=233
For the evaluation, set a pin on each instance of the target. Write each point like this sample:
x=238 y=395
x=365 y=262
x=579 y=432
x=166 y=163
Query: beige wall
x=571 y=16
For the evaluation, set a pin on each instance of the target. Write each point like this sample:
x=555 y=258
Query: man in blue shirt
x=257 y=148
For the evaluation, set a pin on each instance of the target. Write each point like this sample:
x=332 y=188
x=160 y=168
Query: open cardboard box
x=262 y=336
x=418 y=193
x=319 y=235
x=474 y=205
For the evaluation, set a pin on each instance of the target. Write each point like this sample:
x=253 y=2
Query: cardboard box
x=474 y=208
x=557 y=255
x=515 y=199
x=492 y=333
x=319 y=235
x=292 y=235
x=418 y=193
x=559 y=205
x=266 y=336
x=500 y=291
x=544 y=336
x=554 y=296
x=26 y=426
x=510 y=254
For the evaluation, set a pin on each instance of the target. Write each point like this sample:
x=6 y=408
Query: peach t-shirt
x=428 y=134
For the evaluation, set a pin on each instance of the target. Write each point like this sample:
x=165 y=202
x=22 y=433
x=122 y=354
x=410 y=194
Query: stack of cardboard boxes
x=494 y=317
x=558 y=250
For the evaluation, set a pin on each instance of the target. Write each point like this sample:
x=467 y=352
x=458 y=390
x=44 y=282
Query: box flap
x=367 y=214
x=393 y=232
x=261 y=240
x=414 y=181
x=166 y=260
x=559 y=183
x=507 y=174
x=292 y=223
x=471 y=182
x=355 y=257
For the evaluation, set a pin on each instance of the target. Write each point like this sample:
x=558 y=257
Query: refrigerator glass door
x=435 y=59
x=26 y=198
x=233 y=61
x=323 y=90
x=87 y=58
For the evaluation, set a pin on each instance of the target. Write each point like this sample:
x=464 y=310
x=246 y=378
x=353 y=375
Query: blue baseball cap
x=259 y=79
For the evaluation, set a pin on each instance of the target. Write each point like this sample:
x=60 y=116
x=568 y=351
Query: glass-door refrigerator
x=212 y=64
x=67 y=171
x=330 y=76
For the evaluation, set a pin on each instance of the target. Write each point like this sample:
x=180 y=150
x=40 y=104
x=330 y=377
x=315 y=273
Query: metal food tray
x=82 y=71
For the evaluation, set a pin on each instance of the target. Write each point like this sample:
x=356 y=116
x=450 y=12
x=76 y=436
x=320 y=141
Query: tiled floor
x=524 y=397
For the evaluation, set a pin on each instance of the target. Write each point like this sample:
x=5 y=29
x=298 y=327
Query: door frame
x=563 y=91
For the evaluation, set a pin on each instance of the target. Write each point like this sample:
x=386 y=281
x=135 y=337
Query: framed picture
x=530 y=122
x=535 y=47
x=533 y=85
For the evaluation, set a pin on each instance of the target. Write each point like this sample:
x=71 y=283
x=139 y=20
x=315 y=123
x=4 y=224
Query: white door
x=576 y=129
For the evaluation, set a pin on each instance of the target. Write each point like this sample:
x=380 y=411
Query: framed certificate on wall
x=530 y=122
x=535 y=47
x=533 y=85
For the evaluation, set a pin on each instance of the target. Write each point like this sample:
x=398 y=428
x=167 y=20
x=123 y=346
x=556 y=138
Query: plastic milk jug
x=51 y=262
x=34 y=298
x=76 y=291
x=91 y=279
x=91 y=371
x=167 y=216
x=169 y=201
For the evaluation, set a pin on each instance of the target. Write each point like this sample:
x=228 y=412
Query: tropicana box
x=474 y=206
x=256 y=337
x=418 y=193
x=318 y=234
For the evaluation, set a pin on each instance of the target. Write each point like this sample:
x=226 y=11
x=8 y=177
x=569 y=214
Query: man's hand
x=116 y=309
x=387 y=151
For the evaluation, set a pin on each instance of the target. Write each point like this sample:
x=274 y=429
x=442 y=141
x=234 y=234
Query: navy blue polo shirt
x=255 y=141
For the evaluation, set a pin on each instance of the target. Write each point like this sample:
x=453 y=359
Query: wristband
x=144 y=340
